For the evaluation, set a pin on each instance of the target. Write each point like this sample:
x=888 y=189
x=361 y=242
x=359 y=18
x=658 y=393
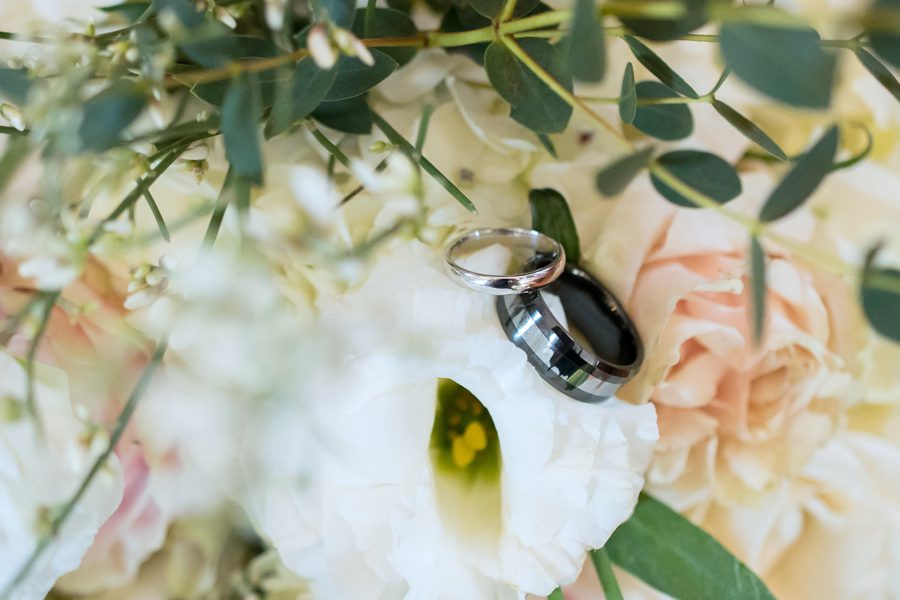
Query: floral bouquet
x=449 y=299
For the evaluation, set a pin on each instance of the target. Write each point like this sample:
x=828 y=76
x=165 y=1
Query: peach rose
x=735 y=419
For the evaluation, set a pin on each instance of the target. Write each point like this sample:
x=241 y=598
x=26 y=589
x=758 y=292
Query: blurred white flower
x=445 y=466
x=320 y=49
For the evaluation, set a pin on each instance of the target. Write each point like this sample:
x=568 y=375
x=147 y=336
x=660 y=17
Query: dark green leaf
x=803 y=178
x=299 y=97
x=532 y=102
x=879 y=71
x=107 y=114
x=395 y=138
x=226 y=195
x=547 y=143
x=240 y=117
x=340 y=12
x=585 y=49
x=422 y=132
x=667 y=551
x=662 y=121
x=702 y=171
x=387 y=22
x=611 y=589
x=628 y=96
x=184 y=10
x=269 y=82
x=859 y=156
x=14 y=85
x=615 y=177
x=350 y=116
x=787 y=63
x=670 y=29
x=749 y=129
x=886 y=43
x=354 y=77
x=758 y=287
x=129 y=11
x=659 y=68
x=550 y=215
x=880 y=297
x=488 y=8
x=221 y=50
x=464 y=18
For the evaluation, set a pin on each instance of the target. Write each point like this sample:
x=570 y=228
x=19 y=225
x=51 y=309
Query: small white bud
x=168 y=262
x=362 y=53
x=320 y=47
x=12 y=114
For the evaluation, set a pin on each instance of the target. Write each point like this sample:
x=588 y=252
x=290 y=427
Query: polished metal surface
x=549 y=268
x=586 y=375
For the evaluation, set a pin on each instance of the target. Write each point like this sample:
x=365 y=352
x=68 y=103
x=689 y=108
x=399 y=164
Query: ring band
x=586 y=375
x=551 y=265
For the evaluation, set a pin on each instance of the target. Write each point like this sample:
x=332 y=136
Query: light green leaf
x=628 y=96
x=616 y=176
x=354 y=77
x=585 y=48
x=885 y=43
x=749 y=129
x=107 y=114
x=879 y=71
x=300 y=95
x=662 y=121
x=659 y=68
x=387 y=23
x=785 y=62
x=551 y=216
x=240 y=117
x=14 y=84
x=704 y=172
x=880 y=297
x=352 y=115
x=758 y=287
x=532 y=102
x=603 y=566
x=803 y=178
x=695 y=15
x=673 y=555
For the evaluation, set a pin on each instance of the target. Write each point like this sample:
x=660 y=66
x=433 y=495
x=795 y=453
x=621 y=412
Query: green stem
x=509 y=7
x=49 y=301
x=603 y=566
x=329 y=145
x=12 y=131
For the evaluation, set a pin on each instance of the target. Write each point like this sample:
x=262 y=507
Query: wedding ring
x=552 y=261
x=588 y=375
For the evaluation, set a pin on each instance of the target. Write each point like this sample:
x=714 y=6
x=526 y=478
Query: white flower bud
x=275 y=14
x=351 y=46
x=12 y=114
x=320 y=47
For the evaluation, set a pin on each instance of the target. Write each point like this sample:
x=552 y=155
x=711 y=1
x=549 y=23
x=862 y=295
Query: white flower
x=39 y=475
x=495 y=489
x=320 y=48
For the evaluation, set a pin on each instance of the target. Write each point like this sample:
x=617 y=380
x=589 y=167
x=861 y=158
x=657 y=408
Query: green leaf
x=349 y=116
x=859 y=156
x=107 y=114
x=240 y=117
x=879 y=71
x=676 y=557
x=704 y=172
x=662 y=121
x=886 y=44
x=550 y=215
x=464 y=18
x=611 y=589
x=184 y=10
x=749 y=129
x=221 y=51
x=340 y=12
x=585 y=49
x=299 y=97
x=488 y=8
x=14 y=85
x=14 y=153
x=758 y=288
x=532 y=102
x=659 y=68
x=547 y=143
x=880 y=297
x=669 y=29
x=785 y=62
x=387 y=22
x=354 y=77
x=628 y=96
x=157 y=216
x=615 y=177
x=803 y=178
x=129 y=11
x=556 y=595
x=395 y=138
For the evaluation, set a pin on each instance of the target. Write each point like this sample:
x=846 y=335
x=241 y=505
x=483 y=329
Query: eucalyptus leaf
x=532 y=102
x=106 y=115
x=464 y=18
x=803 y=178
x=879 y=71
x=662 y=121
x=628 y=96
x=786 y=62
x=354 y=77
x=751 y=131
x=488 y=8
x=695 y=15
x=240 y=115
x=676 y=557
x=659 y=68
x=14 y=85
x=585 y=45
x=339 y=12
x=184 y=10
x=880 y=297
x=299 y=97
x=387 y=22
x=349 y=116
x=129 y=11
x=886 y=44
x=222 y=50
x=758 y=288
x=706 y=173
x=615 y=177
x=551 y=216
x=547 y=143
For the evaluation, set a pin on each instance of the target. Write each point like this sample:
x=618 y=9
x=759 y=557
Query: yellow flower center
x=463 y=437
